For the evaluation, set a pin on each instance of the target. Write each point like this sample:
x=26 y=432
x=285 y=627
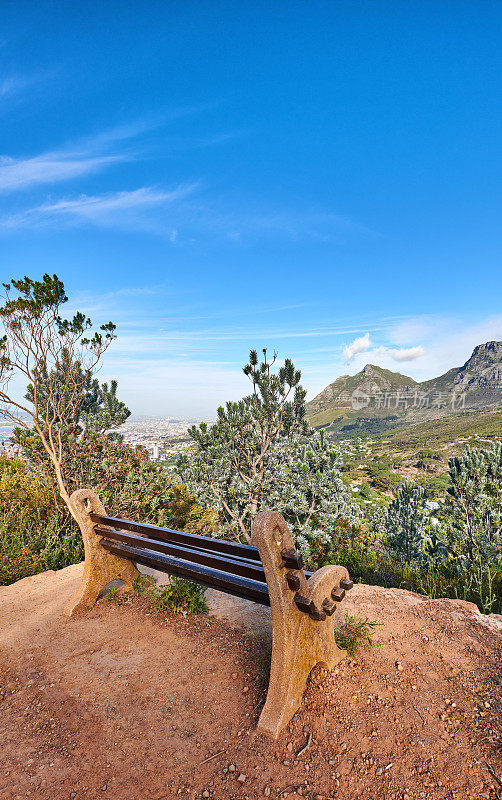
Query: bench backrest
x=231 y=567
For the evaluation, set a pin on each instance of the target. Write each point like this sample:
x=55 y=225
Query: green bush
x=355 y=633
x=34 y=535
x=178 y=595
x=29 y=546
x=36 y=531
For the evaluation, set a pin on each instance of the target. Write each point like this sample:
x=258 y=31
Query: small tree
x=405 y=525
x=473 y=505
x=56 y=356
x=261 y=453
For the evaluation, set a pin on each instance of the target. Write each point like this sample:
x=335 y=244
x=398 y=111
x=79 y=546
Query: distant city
x=162 y=437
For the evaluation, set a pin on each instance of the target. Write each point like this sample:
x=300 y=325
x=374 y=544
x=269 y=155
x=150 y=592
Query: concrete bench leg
x=100 y=567
x=299 y=642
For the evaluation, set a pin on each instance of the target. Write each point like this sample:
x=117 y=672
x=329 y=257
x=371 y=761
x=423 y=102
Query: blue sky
x=321 y=178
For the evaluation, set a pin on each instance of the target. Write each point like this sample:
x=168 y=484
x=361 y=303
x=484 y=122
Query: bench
x=270 y=573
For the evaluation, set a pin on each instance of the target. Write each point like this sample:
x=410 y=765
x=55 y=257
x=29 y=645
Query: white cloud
x=48 y=168
x=102 y=206
x=117 y=209
x=359 y=345
x=404 y=354
x=85 y=157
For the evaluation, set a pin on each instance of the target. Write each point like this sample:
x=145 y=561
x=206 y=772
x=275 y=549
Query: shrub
x=353 y=545
x=178 y=595
x=36 y=534
x=355 y=633
x=23 y=493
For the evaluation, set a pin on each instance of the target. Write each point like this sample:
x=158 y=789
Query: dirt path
x=121 y=705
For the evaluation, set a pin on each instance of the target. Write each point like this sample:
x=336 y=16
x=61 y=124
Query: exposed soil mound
x=118 y=703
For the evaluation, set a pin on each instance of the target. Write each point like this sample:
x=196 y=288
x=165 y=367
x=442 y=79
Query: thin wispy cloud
x=13 y=85
x=48 y=168
x=89 y=154
x=86 y=156
x=241 y=222
x=105 y=207
x=116 y=209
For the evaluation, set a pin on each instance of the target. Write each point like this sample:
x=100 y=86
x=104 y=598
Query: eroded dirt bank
x=118 y=704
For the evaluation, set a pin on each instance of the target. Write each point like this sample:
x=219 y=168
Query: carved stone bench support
x=100 y=567
x=299 y=642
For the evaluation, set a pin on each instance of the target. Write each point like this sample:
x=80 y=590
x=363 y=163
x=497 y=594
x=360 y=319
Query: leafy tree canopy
x=57 y=358
x=261 y=453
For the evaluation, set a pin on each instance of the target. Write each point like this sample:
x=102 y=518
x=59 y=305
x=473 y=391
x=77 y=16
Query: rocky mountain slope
x=376 y=396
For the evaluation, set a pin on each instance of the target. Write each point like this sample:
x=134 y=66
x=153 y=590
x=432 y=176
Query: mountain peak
x=480 y=378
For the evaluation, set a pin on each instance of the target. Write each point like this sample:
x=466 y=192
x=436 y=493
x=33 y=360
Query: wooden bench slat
x=243 y=551
x=207 y=576
x=209 y=559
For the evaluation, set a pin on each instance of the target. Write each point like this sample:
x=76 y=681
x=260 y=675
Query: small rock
x=331 y=761
x=234 y=675
x=231 y=767
x=246 y=689
x=289 y=746
x=205 y=793
x=343 y=746
x=266 y=791
x=399 y=666
x=286 y=763
x=379 y=771
x=241 y=778
x=306 y=729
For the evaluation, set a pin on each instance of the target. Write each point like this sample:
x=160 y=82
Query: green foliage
x=36 y=535
x=187 y=515
x=461 y=555
x=261 y=454
x=33 y=537
x=352 y=545
x=234 y=461
x=365 y=491
x=114 y=595
x=23 y=493
x=406 y=524
x=178 y=595
x=474 y=505
x=127 y=481
x=355 y=633
x=434 y=486
x=29 y=546
x=57 y=357
x=89 y=404
x=481 y=585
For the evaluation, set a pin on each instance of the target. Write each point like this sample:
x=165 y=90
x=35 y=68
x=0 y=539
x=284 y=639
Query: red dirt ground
x=120 y=704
